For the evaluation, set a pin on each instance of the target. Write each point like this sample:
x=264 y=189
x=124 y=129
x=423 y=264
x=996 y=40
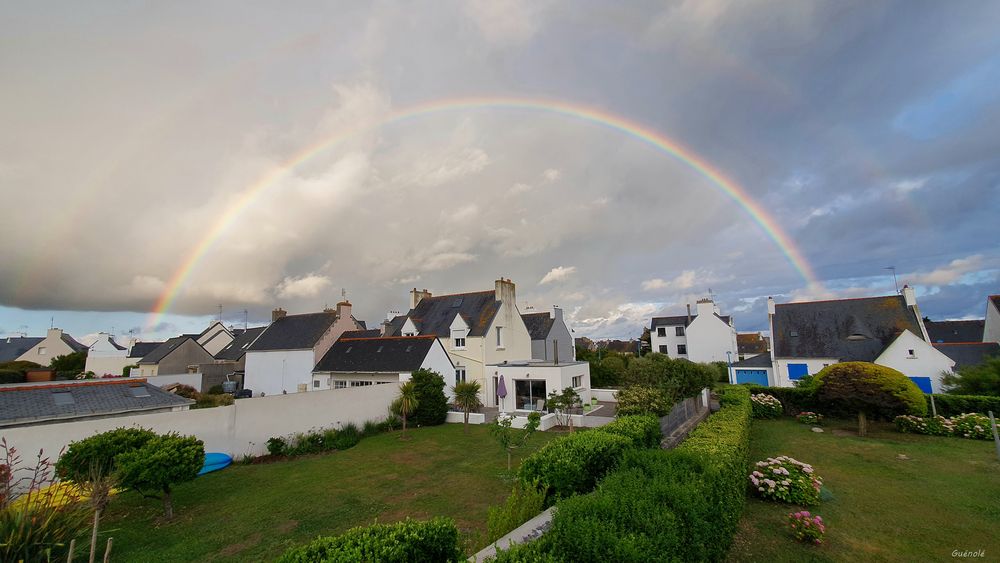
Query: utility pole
x=894 y=282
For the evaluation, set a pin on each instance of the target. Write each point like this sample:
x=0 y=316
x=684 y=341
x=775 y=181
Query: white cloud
x=506 y=21
x=445 y=260
x=558 y=274
x=459 y=164
x=947 y=274
x=685 y=280
x=551 y=175
x=306 y=286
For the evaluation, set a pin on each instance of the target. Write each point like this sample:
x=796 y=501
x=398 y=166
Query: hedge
x=573 y=464
x=643 y=430
x=953 y=405
x=11 y=376
x=409 y=540
x=793 y=399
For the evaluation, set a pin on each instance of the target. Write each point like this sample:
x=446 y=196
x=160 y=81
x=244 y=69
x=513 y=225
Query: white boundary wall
x=192 y=379
x=238 y=429
x=459 y=417
x=606 y=395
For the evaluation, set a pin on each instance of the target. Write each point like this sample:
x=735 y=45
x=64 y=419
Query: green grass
x=256 y=512
x=946 y=496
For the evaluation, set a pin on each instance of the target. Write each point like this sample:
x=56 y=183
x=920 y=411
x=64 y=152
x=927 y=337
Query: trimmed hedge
x=409 y=540
x=878 y=391
x=11 y=376
x=793 y=399
x=953 y=405
x=643 y=430
x=573 y=464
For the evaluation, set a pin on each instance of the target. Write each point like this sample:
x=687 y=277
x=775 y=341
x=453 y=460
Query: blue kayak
x=215 y=461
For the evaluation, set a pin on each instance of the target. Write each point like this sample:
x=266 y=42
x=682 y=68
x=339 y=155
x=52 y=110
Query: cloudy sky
x=144 y=144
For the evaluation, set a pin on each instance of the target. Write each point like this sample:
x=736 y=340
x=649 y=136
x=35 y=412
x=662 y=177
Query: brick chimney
x=770 y=305
x=416 y=296
x=277 y=314
x=505 y=291
x=344 y=310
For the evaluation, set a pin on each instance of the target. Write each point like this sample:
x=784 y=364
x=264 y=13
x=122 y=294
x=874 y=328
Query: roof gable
x=433 y=315
x=13 y=347
x=238 y=347
x=294 y=332
x=140 y=349
x=384 y=354
x=751 y=343
x=165 y=349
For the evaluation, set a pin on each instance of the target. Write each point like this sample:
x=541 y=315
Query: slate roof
x=366 y=333
x=968 y=353
x=680 y=320
x=38 y=403
x=995 y=299
x=141 y=349
x=238 y=347
x=751 y=343
x=115 y=344
x=13 y=347
x=167 y=347
x=72 y=343
x=433 y=315
x=294 y=332
x=956 y=331
x=538 y=324
x=396 y=325
x=758 y=361
x=385 y=354
x=845 y=329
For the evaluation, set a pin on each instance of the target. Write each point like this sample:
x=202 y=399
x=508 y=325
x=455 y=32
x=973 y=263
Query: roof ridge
x=109 y=381
x=417 y=337
x=959 y=343
x=835 y=300
x=493 y=291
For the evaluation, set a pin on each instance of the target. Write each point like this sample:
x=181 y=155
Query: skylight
x=138 y=391
x=457 y=302
x=793 y=333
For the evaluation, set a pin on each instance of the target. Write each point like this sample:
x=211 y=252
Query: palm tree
x=407 y=402
x=467 y=398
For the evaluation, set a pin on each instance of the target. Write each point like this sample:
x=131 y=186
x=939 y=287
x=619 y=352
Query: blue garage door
x=758 y=376
x=924 y=383
x=797 y=371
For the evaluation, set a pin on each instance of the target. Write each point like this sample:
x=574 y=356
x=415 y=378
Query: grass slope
x=943 y=498
x=255 y=512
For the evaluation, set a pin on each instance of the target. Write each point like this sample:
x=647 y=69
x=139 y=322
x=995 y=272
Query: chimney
x=555 y=352
x=416 y=296
x=770 y=305
x=557 y=313
x=277 y=314
x=344 y=310
x=385 y=327
x=909 y=296
x=505 y=291
x=689 y=314
x=55 y=333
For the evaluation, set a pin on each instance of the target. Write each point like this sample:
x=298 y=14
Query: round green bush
x=877 y=391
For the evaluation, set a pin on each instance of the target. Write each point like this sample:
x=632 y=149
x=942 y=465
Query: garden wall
x=238 y=429
x=606 y=395
x=191 y=379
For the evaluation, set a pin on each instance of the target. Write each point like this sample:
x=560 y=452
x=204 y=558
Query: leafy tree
x=407 y=402
x=723 y=370
x=97 y=454
x=75 y=362
x=869 y=390
x=432 y=404
x=561 y=403
x=639 y=399
x=678 y=379
x=163 y=462
x=983 y=379
x=509 y=437
x=467 y=398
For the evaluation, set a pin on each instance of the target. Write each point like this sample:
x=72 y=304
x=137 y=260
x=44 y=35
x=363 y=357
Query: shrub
x=982 y=379
x=215 y=390
x=765 y=406
x=723 y=371
x=347 y=437
x=370 y=428
x=932 y=426
x=19 y=365
x=573 y=464
x=206 y=401
x=537 y=551
x=640 y=400
x=643 y=430
x=99 y=453
x=806 y=527
x=678 y=379
x=432 y=404
x=277 y=446
x=951 y=405
x=185 y=391
x=869 y=390
x=809 y=417
x=786 y=479
x=402 y=542
x=11 y=376
x=524 y=503
x=793 y=399
x=972 y=425
x=161 y=463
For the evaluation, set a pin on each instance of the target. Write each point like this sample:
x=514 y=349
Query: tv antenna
x=894 y=282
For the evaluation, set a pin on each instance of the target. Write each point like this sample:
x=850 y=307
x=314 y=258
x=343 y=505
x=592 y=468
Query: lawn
x=945 y=496
x=255 y=512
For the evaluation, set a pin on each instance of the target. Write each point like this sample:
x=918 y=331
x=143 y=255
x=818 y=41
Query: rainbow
x=588 y=114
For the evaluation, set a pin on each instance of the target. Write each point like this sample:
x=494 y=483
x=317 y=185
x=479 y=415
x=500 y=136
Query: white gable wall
x=103 y=358
x=926 y=360
x=271 y=372
x=991 y=332
x=710 y=338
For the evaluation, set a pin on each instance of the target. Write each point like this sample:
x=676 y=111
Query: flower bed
x=806 y=527
x=786 y=479
x=969 y=425
x=765 y=406
x=809 y=417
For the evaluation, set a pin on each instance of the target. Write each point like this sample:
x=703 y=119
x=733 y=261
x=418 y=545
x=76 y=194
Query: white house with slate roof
x=888 y=331
x=56 y=343
x=705 y=336
x=106 y=357
x=282 y=358
x=357 y=362
x=550 y=337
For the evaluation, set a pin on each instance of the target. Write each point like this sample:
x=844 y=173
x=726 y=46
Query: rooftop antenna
x=220 y=312
x=343 y=293
x=52 y=322
x=894 y=282
x=246 y=318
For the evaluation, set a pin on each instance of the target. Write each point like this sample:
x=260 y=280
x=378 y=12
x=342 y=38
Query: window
x=339 y=384
x=459 y=375
x=361 y=383
x=911 y=353
x=315 y=384
x=459 y=343
x=793 y=333
x=408 y=334
x=138 y=391
x=664 y=349
x=679 y=331
x=41 y=350
x=661 y=331
x=499 y=337
x=797 y=371
x=682 y=349
x=577 y=381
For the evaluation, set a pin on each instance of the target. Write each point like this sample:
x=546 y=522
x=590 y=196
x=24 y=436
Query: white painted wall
x=103 y=358
x=271 y=372
x=459 y=417
x=192 y=379
x=926 y=360
x=216 y=338
x=556 y=378
x=669 y=339
x=991 y=332
x=710 y=339
x=781 y=368
x=238 y=429
x=606 y=395
x=50 y=347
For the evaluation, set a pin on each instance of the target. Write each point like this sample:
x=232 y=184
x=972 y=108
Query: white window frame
x=460 y=375
x=340 y=384
x=458 y=343
x=577 y=381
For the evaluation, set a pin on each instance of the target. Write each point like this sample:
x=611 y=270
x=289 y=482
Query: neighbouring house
x=356 y=362
x=528 y=384
x=56 y=343
x=230 y=362
x=991 y=326
x=477 y=329
x=754 y=369
x=966 y=354
x=282 y=358
x=750 y=344
x=888 y=331
x=32 y=404
x=214 y=338
x=106 y=357
x=551 y=339
x=13 y=347
x=180 y=354
x=955 y=331
x=139 y=350
x=705 y=336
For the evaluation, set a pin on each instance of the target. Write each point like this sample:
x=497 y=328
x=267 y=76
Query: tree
x=98 y=453
x=163 y=462
x=983 y=379
x=510 y=438
x=870 y=390
x=72 y=363
x=407 y=402
x=467 y=398
x=639 y=399
x=432 y=404
x=678 y=379
x=561 y=403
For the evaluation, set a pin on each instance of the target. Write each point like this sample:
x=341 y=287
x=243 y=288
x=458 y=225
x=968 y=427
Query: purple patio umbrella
x=501 y=390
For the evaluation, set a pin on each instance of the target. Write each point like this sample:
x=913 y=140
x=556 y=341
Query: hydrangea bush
x=809 y=417
x=765 y=406
x=807 y=527
x=969 y=425
x=972 y=425
x=787 y=480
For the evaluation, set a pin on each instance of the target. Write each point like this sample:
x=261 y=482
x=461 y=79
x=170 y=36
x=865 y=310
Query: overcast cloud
x=868 y=131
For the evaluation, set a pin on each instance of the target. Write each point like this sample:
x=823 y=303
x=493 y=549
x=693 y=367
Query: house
x=991 y=326
x=754 y=369
x=214 y=338
x=888 y=331
x=139 y=350
x=750 y=344
x=13 y=347
x=230 y=362
x=106 y=357
x=282 y=358
x=528 y=383
x=705 y=336
x=26 y=405
x=56 y=343
x=550 y=337
x=477 y=329
x=955 y=331
x=967 y=354
x=356 y=362
x=174 y=356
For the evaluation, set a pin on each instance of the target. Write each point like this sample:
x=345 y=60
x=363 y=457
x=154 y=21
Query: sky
x=160 y=160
